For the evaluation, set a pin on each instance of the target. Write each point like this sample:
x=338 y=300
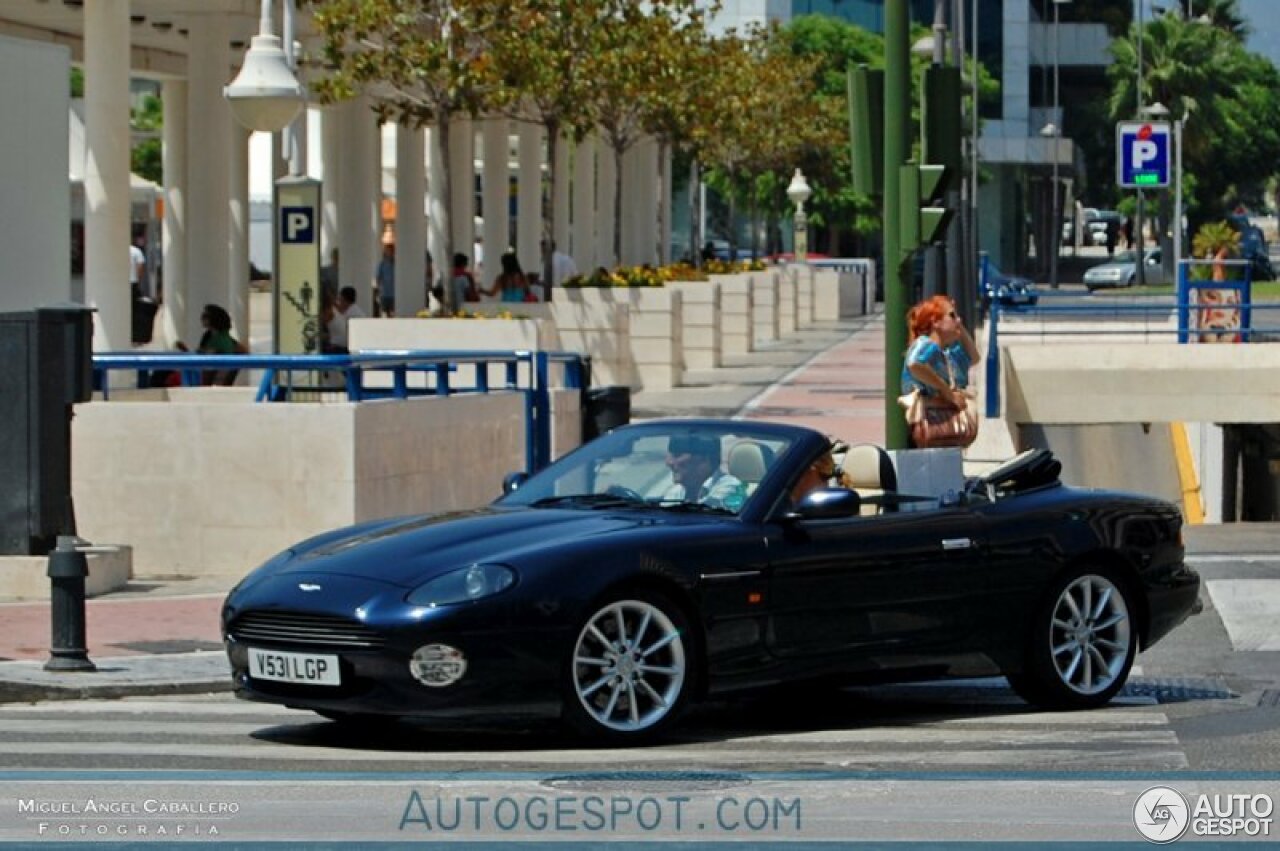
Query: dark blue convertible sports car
x=675 y=559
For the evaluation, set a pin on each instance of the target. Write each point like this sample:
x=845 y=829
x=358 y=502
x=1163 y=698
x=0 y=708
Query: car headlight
x=460 y=586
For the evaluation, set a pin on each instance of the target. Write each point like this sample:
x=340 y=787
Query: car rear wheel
x=1082 y=643
x=631 y=671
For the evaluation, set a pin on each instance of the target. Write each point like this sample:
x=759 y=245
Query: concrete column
x=237 y=288
x=560 y=228
x=462 y=173
x=331 y=193
x=605 y=190
x=665 y=208
x=411 y=221
x=646 y=201
x=358 y=211
x=106 y=174
x=173 y=315
x=630 y=209
x=494 y=136
x=208 y=168
x=582 y=244
x=529 y=200
x=437 y=240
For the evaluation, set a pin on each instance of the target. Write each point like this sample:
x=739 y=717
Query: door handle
x=957 y=543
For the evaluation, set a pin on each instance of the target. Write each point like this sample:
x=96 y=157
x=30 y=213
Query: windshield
x=684 y=466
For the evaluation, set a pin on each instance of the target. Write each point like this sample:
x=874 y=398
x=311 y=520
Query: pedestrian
x=385 y=276
x=1126 y=232
x=344 y=310
x=462 y=282
x=137 y=270
x=930 y=390
x=1111 y=238
x=511 y=285
x=562 y=266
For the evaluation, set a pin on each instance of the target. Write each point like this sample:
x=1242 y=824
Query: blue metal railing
x=278 y=378
x=1183 y=306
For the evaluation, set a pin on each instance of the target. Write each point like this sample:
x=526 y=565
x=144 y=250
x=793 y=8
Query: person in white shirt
x=137 y=271
x=344 y=310
x=562 y=266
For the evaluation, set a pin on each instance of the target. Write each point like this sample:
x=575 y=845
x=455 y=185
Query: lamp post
x=1051 y=132
x=799 y=192
x=1056 y=233
x=266 y=96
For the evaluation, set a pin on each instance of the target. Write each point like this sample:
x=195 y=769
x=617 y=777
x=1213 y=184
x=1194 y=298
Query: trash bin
x=144 y=319
x=606 y=409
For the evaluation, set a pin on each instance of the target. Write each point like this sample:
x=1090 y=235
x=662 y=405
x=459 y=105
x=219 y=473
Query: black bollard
x=68 y=568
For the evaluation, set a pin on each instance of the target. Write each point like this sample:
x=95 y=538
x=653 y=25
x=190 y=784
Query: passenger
x=695 y=469
x=217 y=340
x=821 y=473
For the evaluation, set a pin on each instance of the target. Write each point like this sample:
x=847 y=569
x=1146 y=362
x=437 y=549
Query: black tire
x=630 y=669
x=1080 y=663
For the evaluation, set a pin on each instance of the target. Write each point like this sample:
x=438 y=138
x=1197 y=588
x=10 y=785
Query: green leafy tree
x=546 y=52
x=146 y=158
x=420 y=61
x=636 y=77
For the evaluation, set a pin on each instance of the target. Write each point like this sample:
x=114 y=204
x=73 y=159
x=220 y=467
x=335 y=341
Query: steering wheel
x=624 y=492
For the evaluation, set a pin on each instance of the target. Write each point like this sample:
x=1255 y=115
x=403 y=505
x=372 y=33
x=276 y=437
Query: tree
x=421 y=61
x=545 y=52
x=146 y=158
x=636 y=77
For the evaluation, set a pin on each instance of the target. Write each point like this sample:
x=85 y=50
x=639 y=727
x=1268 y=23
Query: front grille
x=309 y=629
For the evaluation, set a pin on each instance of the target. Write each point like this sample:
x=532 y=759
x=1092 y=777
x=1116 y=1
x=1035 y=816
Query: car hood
x=412 y=550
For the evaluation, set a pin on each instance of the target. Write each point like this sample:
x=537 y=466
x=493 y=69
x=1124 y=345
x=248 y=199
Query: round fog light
x=437 y=665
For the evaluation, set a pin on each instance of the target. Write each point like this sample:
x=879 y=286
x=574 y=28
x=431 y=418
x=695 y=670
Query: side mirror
x=828 y=504
x=513 y=481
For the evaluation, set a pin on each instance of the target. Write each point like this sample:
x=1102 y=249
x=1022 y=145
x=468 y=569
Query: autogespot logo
x=1161 y=814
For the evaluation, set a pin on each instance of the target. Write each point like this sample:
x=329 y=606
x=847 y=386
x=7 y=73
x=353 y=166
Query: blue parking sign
x=1142 y=154
x=297 y=225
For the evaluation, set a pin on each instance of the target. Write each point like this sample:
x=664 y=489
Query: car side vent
x=293 y=628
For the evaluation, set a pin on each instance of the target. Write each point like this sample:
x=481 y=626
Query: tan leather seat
x=748 y=462
x=870 y=471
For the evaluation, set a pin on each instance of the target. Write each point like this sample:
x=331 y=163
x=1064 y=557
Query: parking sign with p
x=1142 y=154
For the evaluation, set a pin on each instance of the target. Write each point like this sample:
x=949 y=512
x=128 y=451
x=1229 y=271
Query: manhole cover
x=1178 y=689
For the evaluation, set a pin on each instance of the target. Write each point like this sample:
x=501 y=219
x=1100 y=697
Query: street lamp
x=1056 y=233
x=799 y=192
x=266 y=95
x=1051 y=132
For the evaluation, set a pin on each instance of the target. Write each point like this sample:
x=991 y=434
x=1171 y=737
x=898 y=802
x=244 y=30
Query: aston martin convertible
x=673 y=560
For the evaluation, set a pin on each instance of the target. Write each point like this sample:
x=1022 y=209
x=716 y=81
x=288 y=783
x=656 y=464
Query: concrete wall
x=1152 y=382
x=700 y=302
x=736 y=299
x=35 y=191
x=210 y=483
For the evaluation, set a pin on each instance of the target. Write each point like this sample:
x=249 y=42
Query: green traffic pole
x=896 y=112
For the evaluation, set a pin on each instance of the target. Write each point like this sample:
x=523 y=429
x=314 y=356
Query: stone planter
x=736 y=298
x=654 y=329
x=764 y=306
x=701 y=309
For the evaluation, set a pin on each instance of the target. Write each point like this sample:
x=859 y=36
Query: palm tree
x=1224 y=15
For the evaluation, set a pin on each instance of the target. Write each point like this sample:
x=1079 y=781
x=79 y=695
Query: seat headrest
x=870 y=467
x=747 y=461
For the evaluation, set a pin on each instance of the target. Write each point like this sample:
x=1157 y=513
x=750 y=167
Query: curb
x=11 y=692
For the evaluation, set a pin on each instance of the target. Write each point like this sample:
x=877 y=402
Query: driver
x=695 y=466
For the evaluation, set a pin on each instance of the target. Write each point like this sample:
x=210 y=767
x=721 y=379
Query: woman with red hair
x=928 y=365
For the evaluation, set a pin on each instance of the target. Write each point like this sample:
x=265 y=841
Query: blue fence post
x=993 y=361
x=541 y=424
x=1184 y=298
x=1246 y=305
x=442 y=379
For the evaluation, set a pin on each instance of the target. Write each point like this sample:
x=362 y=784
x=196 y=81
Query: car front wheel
x=1082 y=643
x=631 y=672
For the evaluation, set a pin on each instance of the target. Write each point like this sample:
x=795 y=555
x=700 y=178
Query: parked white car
x=1122 y=271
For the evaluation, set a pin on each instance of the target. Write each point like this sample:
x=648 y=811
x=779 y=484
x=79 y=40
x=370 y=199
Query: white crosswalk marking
x=219 y=732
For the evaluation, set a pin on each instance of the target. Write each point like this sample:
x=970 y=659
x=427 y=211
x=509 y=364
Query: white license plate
x=306 y=668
